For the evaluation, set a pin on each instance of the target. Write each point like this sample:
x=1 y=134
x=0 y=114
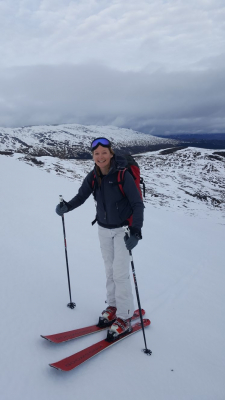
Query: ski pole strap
x=127 y=230
x=61 y=200
x=143 y=184
x=94 y=222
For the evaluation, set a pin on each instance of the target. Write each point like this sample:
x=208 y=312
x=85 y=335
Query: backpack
x=133 y=168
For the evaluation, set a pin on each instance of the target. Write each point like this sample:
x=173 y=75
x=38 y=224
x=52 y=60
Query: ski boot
x=108 y=317
x=119 y=328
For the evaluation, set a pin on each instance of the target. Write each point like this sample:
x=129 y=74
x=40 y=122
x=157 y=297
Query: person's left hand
x=131 y=241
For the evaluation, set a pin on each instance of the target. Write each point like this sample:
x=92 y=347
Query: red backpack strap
x=93 y=184
x=135 y=170
x=93 y=179
x=120 y=179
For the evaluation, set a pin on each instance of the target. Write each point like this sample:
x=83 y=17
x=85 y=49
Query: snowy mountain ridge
x=73 y=141
x=190 y=179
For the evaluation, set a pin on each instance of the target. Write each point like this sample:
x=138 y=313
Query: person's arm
x=83 y=193
x=137 y=205
x=135 y=200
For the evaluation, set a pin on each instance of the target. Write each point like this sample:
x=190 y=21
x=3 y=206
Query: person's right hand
x=61 y=208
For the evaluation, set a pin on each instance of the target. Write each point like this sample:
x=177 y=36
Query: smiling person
x=113 y=209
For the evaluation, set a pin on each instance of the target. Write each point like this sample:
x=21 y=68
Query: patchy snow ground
x=180 y=272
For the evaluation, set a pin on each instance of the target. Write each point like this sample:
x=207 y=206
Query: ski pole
x=146 y=350
x=71 y=304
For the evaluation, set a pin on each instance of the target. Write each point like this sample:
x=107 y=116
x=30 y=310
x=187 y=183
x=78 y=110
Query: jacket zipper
x=103 y=199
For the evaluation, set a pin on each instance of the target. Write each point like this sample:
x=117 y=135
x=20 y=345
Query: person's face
x=102 y=157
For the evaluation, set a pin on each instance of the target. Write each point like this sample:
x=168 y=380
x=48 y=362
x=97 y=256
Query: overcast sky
x=156 y=66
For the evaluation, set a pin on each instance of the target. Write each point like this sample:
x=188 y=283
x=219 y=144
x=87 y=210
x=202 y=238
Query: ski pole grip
x=61 y=200
x=127 y=231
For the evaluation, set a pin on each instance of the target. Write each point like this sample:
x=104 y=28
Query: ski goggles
x=100 y=142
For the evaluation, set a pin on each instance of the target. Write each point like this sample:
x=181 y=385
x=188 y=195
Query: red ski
x=76 y=333
x=69 y=363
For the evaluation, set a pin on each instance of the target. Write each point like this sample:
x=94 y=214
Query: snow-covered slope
x=190 y=179
x=180 y=272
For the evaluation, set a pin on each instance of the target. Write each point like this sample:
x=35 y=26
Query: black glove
x=62 y=208
x=132 y=240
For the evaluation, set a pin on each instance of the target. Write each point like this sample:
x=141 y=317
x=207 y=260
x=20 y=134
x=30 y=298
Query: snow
x=180 y=273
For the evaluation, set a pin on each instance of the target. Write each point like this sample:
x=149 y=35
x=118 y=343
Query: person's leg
x=121 y=276
x=107 y=248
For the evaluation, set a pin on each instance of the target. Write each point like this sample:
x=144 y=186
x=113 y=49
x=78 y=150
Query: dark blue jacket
x=113 y=208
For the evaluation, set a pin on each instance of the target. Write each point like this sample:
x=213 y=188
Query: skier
x=113 y=208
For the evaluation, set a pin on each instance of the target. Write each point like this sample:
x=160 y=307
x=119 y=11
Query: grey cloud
x=187 y=101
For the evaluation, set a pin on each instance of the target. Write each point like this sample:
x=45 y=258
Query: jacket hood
x=120 y=162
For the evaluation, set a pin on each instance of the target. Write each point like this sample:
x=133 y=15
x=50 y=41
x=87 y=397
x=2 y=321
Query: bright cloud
x=127 y=35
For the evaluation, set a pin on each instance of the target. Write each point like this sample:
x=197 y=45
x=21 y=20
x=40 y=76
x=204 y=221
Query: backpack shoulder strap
x=120 y=179
x=93 y=182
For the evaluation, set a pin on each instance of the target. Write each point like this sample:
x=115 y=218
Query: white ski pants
x=117 y=267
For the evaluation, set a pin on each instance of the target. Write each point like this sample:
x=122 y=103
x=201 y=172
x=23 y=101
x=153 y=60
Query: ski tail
x=76 y=333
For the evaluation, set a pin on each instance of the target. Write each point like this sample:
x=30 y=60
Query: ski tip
x=146 y=322
x=137 y=313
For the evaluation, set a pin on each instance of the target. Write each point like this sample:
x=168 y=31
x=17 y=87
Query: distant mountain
x=202 y=140
x=72 y=141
